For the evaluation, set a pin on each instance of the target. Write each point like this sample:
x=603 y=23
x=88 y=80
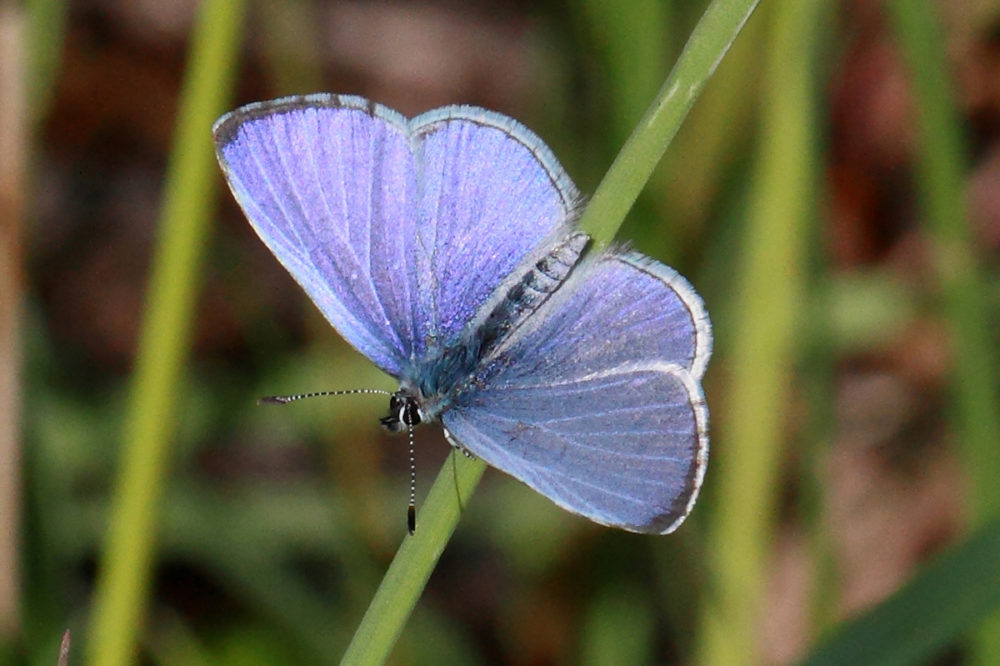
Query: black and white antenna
x=285 y=399
x=411 y=512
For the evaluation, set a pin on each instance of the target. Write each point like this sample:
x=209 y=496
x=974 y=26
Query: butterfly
x=444 y=248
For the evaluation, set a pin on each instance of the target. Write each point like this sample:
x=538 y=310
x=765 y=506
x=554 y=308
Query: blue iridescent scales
x=444 y=249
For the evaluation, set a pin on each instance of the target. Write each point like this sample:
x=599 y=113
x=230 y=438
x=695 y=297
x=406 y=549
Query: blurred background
x=834 y=198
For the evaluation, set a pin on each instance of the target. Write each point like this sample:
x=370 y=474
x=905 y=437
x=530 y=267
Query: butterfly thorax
x=430 y=388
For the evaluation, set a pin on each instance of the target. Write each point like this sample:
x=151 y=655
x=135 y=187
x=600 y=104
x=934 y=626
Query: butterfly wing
x=492 y=197
x=398 y=230
x=597 y=402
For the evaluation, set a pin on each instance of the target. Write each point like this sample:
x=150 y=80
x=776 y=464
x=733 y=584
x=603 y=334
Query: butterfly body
x=443 y=248
x=470 y=361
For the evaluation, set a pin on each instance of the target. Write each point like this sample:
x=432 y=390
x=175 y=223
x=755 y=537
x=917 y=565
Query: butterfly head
x=404 y=412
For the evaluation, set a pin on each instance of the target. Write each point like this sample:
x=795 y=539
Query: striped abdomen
x=528 y=294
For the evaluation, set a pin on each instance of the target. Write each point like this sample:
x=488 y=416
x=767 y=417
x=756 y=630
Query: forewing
x=326 y=183
x=492 y=196
x=398 y=230
x=596 y=402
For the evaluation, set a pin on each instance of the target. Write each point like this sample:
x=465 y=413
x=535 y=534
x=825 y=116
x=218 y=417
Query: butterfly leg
x=458 y=445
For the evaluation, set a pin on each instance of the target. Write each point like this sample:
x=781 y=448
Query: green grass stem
x=712 y=141
x=766 y=328
x=955 y=591
x=183 y=227
x=633 y=39
x=633 y=166
x=46 y=25
x=941 y=175
x=412 y=566
x=400 y=589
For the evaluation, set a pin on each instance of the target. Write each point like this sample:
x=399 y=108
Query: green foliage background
x=166 y=519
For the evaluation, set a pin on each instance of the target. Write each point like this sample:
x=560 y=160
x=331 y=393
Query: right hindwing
x=596 y=400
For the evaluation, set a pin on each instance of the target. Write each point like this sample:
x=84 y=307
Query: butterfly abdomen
x=528 y=294
x=452 y=370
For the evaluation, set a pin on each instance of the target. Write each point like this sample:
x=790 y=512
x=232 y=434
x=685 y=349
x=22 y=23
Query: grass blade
x=14 y=148
x=703 y=52
x=955 y=591
x=190 y=186
x=765 y=335
x=941 y=172
x=412 y=566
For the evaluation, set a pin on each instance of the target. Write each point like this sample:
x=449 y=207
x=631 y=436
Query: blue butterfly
x=444 y=249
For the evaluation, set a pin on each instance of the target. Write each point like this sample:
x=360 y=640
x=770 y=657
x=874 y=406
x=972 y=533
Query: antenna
x=411 y=510
x=285 y=399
